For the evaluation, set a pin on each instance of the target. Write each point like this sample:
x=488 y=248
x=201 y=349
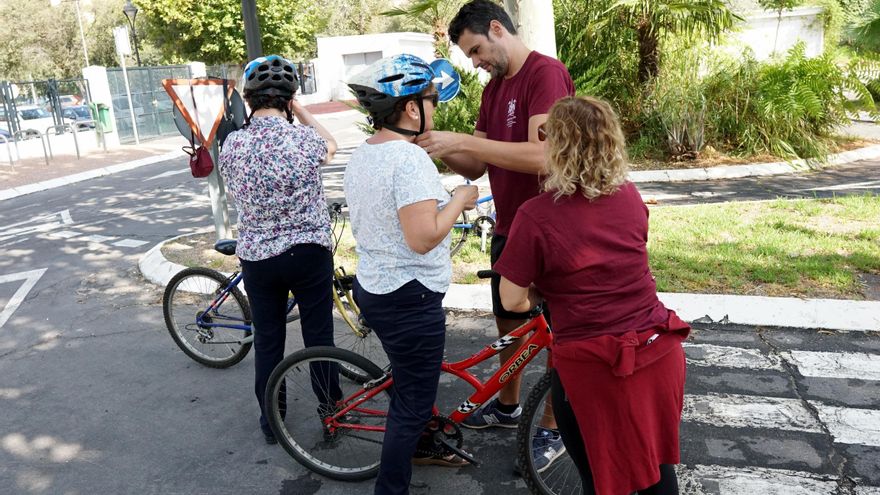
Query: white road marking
x=730 y=357
x=66 y=234
x=848 y=365
x=129 y=243
x=849 y=425
x=169 y=174
x=744 y=411
x=42 y=223
x=30 y=279
x=765 y=481
x=95 y=238
x=842 y=187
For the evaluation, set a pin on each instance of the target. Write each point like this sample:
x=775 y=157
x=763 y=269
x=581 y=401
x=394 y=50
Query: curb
x=83 y=176
x=831 y=314
x=756 y=169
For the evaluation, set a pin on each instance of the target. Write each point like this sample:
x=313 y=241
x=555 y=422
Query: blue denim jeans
x=411 y=324
x=307 y=271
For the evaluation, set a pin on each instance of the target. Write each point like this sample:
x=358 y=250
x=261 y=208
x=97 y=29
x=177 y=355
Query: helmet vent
x=414 y=82
x=389 y=79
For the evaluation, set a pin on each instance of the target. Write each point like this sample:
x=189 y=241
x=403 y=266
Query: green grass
x=803 y=248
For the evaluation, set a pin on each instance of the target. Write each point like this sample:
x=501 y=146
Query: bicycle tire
x=355 y=335
x=191 y=291
x=345 y=454
x=459 y=234
x=561 y=477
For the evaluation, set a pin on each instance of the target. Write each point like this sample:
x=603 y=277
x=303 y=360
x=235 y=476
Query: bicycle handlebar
x=486 y=273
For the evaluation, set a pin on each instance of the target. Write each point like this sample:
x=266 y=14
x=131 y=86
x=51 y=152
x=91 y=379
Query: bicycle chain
x=437 y=429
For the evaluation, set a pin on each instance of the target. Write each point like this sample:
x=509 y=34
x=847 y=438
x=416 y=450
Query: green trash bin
x=101 y=114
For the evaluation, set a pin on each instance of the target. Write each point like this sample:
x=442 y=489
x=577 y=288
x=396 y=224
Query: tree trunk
x=441 y=38
x=649 y=53
x=534 y=23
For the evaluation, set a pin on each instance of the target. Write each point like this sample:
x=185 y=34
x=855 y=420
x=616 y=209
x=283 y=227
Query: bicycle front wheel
x=460 y=230
x=317 y=423
x=561 y=476
x=202 y=333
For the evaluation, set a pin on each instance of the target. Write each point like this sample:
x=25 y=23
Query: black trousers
x=306 y=270
x=411 y=324
x=574 y=445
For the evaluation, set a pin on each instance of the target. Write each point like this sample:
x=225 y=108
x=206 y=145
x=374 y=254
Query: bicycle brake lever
x=457 y=451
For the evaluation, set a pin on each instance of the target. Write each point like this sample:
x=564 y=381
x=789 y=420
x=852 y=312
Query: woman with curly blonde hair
x=619 y=368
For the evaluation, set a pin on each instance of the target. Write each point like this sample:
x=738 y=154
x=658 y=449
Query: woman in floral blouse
x=272 y=168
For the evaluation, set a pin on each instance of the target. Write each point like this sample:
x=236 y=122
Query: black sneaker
x=489 y=416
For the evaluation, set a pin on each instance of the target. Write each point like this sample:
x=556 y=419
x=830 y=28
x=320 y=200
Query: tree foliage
x=39 y=41
x=212 y=31
x=352 y=17
x=653 y=19
x=433 y=15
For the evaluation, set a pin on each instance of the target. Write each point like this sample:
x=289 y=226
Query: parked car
x=70 y=100
x=32 y=119
x=78 y=113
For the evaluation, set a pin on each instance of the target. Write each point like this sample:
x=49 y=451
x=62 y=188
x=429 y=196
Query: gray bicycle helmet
x=385 y=82
x=272 y=75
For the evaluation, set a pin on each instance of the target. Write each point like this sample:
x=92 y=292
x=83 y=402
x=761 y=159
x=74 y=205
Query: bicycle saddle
x=226 y=246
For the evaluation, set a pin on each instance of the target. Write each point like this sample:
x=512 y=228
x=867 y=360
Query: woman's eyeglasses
x=434 y=97
x=542 y=133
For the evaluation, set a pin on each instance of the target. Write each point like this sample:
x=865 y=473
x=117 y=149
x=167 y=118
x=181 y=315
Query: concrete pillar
x=198 y=69
x=99 y=88
x=534 y=23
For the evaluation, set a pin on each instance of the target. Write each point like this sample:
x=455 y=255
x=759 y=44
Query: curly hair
x=585 y=148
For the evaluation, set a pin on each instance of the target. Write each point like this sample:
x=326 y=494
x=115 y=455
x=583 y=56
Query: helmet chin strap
x=410 y=132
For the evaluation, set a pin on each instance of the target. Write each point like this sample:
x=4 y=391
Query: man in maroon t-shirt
x=524 y=86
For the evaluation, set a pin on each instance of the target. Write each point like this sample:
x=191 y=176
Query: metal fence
x=151 y=104
x=28 y=107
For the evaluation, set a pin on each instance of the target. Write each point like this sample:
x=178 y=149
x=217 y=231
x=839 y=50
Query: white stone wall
x=801 y=24
x=332 y=72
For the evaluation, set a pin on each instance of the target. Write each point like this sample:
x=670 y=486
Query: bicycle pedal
x=459 y=452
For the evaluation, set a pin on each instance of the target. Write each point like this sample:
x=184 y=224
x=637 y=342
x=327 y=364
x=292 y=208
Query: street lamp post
x=130 y=10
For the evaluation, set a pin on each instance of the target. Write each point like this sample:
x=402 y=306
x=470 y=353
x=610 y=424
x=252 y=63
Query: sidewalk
x=33 y=175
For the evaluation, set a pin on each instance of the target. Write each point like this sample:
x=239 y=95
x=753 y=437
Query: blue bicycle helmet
x=272 y=75
x=385 y=82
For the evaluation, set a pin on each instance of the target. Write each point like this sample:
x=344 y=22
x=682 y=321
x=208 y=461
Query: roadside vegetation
x=827 y=248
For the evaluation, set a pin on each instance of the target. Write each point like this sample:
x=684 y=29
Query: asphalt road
x=95 y=398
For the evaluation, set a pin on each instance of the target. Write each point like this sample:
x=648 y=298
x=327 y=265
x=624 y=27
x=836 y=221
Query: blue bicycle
x=483 y=225
x=209 y=317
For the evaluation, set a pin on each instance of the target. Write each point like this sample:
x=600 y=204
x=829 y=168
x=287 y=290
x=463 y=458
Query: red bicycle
x=343 y=440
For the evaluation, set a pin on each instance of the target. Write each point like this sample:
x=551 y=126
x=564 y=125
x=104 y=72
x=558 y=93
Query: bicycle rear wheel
x=561 y=477
x=355 y=335
x=187 y=297
x=327 y=439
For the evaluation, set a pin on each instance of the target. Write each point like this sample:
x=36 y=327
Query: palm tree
x=652 y=19
x=435 y=13
x=866 y=32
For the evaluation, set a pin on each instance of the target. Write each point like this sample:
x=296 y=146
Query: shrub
x=787 y=107
x=460 y=114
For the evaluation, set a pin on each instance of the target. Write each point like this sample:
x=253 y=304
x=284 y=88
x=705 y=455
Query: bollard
x=8 y=151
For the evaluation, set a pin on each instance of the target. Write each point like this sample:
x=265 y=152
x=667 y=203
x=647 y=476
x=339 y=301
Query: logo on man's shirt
x=511 y=112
